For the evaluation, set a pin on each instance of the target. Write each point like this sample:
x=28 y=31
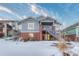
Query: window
x=20 y=27
x=30 y=26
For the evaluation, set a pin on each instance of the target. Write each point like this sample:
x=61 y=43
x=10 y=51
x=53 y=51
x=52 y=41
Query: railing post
x=5 y=29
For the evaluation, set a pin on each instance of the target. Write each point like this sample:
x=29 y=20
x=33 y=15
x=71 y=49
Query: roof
x=71 y=26
x=50 y=19
x=7 y=20
x=40 y=18
x=26 y=19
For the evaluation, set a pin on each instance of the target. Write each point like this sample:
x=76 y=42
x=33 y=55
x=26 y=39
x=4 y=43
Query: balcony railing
x=48 y=27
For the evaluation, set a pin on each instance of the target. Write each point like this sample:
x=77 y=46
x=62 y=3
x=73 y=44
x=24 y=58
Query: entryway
x=47 y=36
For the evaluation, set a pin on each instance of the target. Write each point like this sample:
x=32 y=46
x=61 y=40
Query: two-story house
x=38 y=28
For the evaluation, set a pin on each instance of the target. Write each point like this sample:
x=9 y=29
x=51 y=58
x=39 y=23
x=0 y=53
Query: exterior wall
x=4 y=30
x=25 y=26
x=40 y=28
x=1 y=33
x=25 y=31
x=37 y=31
x=70 y=37
x=77 y=31
x=77 y=38
x=37 y=35
x=72 y=34
x=25 y=36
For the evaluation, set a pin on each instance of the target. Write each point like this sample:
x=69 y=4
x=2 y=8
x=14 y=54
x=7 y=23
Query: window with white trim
x=30 y=26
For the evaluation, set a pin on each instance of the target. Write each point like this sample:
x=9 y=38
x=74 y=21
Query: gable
x=29 y=19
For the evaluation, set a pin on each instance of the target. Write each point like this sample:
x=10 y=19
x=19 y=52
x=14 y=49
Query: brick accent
x=77 y=38
x=70 y=37
x=1 y=33
x=37 y=35
x=40 y=29
x=25 y=36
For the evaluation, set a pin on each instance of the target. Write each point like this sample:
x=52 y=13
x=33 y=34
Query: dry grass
x=62 y=46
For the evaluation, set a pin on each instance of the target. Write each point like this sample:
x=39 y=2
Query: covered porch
x=47 y=30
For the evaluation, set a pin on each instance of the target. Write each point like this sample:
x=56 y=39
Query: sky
x=65 y=13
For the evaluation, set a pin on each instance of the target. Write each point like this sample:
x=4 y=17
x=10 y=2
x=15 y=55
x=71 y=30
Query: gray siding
x=25 y=26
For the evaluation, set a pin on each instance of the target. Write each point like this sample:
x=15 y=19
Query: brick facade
x=25 y=36
x=1 y=33
x=70 y=37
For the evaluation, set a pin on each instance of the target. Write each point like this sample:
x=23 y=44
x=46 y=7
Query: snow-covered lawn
x=29 y=48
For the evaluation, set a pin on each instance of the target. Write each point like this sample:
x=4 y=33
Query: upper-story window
x=30 y=26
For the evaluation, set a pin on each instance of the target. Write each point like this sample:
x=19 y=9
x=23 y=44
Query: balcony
x=48 y=27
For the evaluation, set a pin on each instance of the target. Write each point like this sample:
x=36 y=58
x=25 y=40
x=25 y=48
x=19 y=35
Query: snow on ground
x=75 y=49
x=29 y=48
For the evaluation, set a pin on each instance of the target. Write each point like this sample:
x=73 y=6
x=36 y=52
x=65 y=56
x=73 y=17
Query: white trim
x=20 y=27
x=30 y=26
x=5 y=29
x=29 y=31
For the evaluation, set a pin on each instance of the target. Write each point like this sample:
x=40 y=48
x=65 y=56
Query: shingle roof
x=28 y=18
x=71 y=27
x=8 y=20
x=40 y=18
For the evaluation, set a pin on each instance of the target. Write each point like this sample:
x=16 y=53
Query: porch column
x=5 y=29
x=16 y=26
x=40 y=26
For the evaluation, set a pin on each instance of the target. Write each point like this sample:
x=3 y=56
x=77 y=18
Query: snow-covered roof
x=28 y=18
x=40 y=18
x=9 y=20
x=48 y=18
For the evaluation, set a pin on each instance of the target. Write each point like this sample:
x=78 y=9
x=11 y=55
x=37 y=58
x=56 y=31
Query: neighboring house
x=8 y=27
x=40 y=28
x=71 y=33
